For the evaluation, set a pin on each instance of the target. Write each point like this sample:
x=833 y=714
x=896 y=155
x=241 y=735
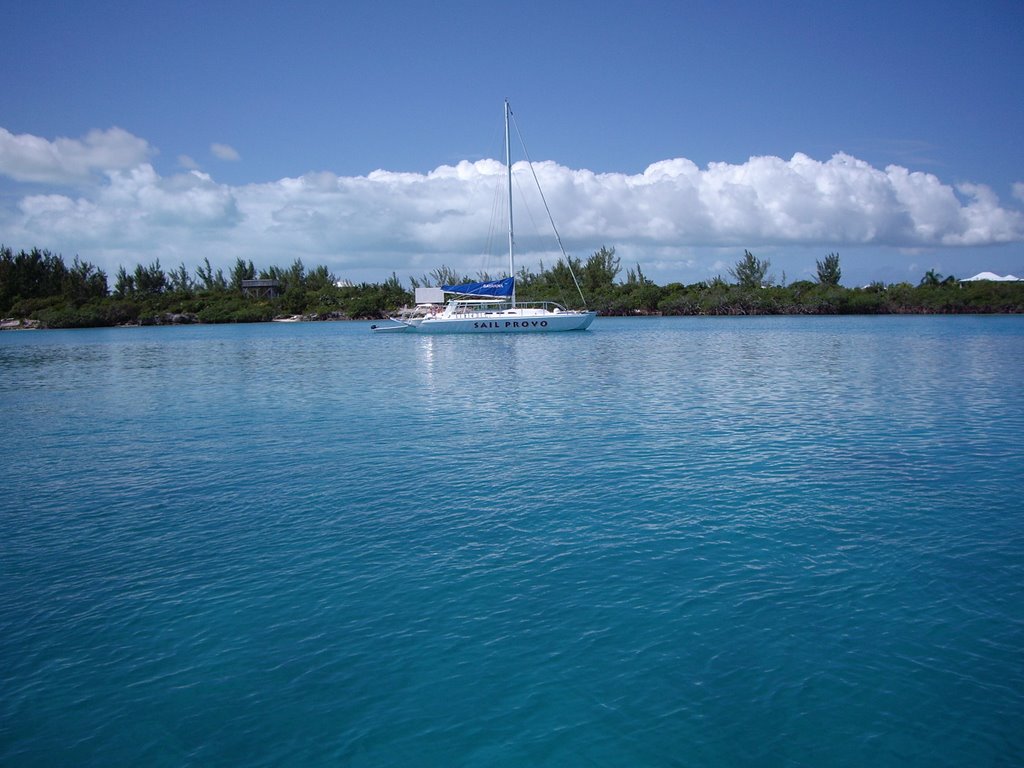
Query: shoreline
x=13 y=324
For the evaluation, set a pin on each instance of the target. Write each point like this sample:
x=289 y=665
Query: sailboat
x=488 y=306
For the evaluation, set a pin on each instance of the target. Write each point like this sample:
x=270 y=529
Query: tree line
x=39 y=286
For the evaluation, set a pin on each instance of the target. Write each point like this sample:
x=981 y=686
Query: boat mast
x=508 y=171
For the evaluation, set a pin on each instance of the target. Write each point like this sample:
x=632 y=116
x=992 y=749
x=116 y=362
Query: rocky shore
x=171 y=318
x=17 y=324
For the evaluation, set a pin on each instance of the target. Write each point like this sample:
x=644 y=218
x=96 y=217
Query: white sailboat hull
x=506 y=323
x=510 y=321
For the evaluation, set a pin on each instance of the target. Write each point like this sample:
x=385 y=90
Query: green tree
x=150 y=280
x=295 y=277
x=828 y=270
x=179 y=281
x=600 y=271
x=559 y=279
x=7 y=271
x=751 y=272
x=208 y=281
x=83 y=282
x=444 y=275
x=124 y=284
x=241 y=271
x=319 y=279
x=931 y=277
x=33 y=275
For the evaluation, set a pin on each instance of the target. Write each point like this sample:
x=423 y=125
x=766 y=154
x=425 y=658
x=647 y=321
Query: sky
x=367 y=136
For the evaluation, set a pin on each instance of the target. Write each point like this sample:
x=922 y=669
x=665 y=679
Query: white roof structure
x=991 y=276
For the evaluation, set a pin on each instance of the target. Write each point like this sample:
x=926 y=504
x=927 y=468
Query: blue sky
x=359 y=135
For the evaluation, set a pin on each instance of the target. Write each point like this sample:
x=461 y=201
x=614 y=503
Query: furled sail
x=490 y=288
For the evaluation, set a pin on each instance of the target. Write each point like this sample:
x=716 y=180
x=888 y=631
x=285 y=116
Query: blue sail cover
x=492 y=288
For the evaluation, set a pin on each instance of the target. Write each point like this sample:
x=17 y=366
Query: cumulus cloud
x=225 y=152
x=136 y=210
x=408 y=222
x=25 y=157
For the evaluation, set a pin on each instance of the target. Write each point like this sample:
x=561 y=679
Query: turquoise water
x=661 y=542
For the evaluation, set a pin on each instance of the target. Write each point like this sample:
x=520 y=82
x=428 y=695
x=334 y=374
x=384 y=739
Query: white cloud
x=136 y=210
x=69 y=161
x=367 y=226
x=225 y=152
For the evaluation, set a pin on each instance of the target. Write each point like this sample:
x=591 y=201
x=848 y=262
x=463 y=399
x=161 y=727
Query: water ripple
x=664 y=542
